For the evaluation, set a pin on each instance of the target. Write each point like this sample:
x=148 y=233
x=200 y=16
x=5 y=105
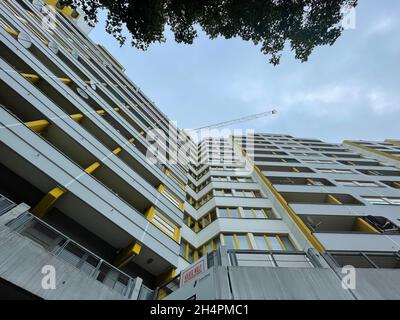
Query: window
x=340 y=171
x=223 y=212
x=274 y=243
x=228 y=213
x=382 y=201
x=367 y=259
x=247 y=213
x=248 y=194
x=170 y=196
x=222 y=193
x=163 y=223
x=229 y=242
x=319 y=161
x=243 y=242
x=261 y=243
x=237 y=241
x=348 y=183
x=234 y=213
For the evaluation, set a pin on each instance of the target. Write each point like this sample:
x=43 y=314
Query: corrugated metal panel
x=286 y=284
x=378 y=284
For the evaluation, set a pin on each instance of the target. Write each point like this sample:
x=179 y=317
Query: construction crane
x=238 y=120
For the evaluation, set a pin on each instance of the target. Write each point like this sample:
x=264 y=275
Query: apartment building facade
x=79 y=194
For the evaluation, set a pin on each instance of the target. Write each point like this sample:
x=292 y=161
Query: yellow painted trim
x=47 y=202
x=132 y=140
x=381 y=153
x=295 y=169
x=396 y=185
x=151 y=212
x=126 y=254
x=302 y=226
x=162 y=293
x=187 y=251
x=267 y=242
x=117 y=151
x=332 y=199
x=38 y=125
x=92 y=167
x=101 y=112
x=32 y=78
x=67 y=10
x=236 y=241
x=65 y=81
x=12 y=32
x=280 y=242
x=364 y=226
x=177 y=235
x=77 y=117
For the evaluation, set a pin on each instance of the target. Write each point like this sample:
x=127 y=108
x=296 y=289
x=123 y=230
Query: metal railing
x=257 y=258
x=73 y=253
x=5 y=205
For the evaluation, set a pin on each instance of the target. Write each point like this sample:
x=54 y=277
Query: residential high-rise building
x=98 y=198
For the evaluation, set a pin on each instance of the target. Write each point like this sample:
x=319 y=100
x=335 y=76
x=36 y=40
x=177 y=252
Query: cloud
x=382 y=26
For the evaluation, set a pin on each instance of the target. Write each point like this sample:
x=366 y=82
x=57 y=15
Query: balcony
x=339 y=224
x=299 y=181
x=28 y=243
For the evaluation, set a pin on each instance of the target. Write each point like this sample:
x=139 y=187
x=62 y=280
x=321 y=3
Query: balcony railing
x=74 y=254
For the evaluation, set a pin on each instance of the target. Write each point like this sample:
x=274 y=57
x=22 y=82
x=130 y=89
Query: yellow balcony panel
x=332 y=200
x=363 y=226
x=65 y=10
x=117 y=151
x=38 y=125
x=92 y=167
x=65 y=81
x=127 y=254
x=32 y=78
x=11 y=31
x=163 y=223
x=77 y=117
x=47 y=202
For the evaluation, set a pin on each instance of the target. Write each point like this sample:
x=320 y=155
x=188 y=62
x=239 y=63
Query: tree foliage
x=271 y=24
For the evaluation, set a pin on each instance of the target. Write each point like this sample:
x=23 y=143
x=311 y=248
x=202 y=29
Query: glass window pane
x=229 y=242
x=183 y=249
x=243 y=242
x=259 y=214
x=355 y=260
x=223 y=212
x=261 y=244
x=247 y=213
x=287 y=243
x=274 y=243
x=234 y=213
x=228 y=193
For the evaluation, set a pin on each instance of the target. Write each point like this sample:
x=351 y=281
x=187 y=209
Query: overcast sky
x=348 y=91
